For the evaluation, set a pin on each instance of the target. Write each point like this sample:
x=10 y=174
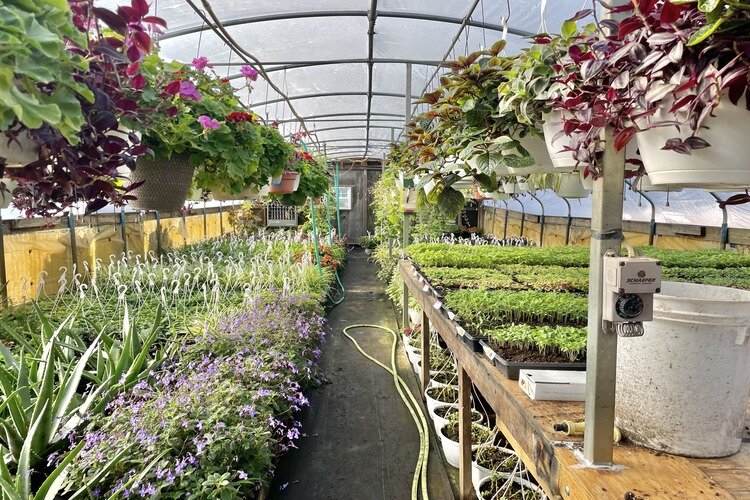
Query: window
x=345 y=197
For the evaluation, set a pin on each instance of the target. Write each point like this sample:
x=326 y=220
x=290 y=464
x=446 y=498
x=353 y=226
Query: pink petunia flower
x=201 y=63
x=188 y=91
x=208 y=123
x=249 y=73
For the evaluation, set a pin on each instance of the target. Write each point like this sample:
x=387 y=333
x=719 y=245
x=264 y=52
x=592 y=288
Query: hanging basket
x=644 y=184
x=726 y=164
x=542 y=161
x=288 y=183
x=476 y=194
x=21 y=151
x=518 y=186
x=166 y=183
x=571 y=186
x=6 y=195
x=562 y=160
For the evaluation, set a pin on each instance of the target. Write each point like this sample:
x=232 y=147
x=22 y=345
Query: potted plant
x=446 y=413
x=437 y=395
x=509 y=486
x=306 y=177
x=78 y=160
x=480 y=434
x=490 y=458
x=194 y=121
x=669 y=64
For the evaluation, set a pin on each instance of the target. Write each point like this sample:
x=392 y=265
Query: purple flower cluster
x=226 y=405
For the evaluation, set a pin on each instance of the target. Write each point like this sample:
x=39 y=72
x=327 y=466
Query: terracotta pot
x=289 y=183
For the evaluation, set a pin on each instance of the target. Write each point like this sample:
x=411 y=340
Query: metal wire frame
x=331 y=94
x=346 y=13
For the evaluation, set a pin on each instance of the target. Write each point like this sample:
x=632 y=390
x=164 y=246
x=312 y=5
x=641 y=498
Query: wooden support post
x=405 y=307
x=221 y=219
x=124 y=232
x=465 y=488
x=425 y=377
x=158 y=234
x=601 y=349
x=205 y=225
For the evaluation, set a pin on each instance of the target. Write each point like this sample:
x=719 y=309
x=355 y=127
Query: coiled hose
x=415 y=409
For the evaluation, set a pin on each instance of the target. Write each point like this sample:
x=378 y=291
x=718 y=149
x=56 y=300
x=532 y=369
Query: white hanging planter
x=21 y=151
x=432 y=403
x=562 y=160
x=726 y=164
x=439 y=421
x=522 y=483
x=478 y=472
x=493 y=195
x=537 y=147
x=571 y=186
x=644 y=184
x=6 y=195
x=415 y=316
x=518 y=186
x=587 y=181
x=683 y=386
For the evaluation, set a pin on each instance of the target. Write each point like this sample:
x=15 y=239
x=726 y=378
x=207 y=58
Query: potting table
x=554 y=459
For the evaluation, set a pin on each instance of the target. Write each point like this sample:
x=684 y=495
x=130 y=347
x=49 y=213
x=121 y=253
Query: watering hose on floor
x=415 y=409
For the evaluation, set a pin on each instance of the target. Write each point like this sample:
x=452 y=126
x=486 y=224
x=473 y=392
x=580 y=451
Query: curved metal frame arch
x=541 y=227
x=330 y=94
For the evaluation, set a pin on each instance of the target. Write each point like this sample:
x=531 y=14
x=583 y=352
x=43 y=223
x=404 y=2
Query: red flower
x=225 y=80
x=240 y=116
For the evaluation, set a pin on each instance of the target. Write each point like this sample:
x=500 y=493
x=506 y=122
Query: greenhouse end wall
x=39 y=262
x=492 y=221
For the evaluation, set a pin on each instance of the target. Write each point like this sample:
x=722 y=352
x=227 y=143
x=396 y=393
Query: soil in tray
x=518 y=355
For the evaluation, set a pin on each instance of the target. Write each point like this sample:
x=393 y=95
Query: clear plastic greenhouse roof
x=343 y=63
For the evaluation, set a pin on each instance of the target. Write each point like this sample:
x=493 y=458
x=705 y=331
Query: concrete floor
x=360 y=440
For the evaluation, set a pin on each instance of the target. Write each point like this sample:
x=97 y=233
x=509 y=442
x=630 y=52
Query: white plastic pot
x=562 y=160
x=726 y=164
x=683 y=386
x=415 y=316
x=6 y=195
x=21 y=151
x=439 y=421
x=414 y=355
x=478 y=473
x=451 y=448
x=525 y=484
x=587 y=181
x=644 y=184
x=537 y=147
x=515 y=187
x=571 y=186
x=432 y=402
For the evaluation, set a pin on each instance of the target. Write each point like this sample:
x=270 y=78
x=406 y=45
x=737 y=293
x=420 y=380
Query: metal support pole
x=541 y=227
x=601 y=349
x=3 y=275
x=505 y=223
x=123 y=232
x=523 y=215
x=158 y=233
x=724 y=222
x=568 y=223
x=205 y=224
x=221 y=218
x=315 y=235
x=73 y=244
x=184 y=223
x=652 y=224
x=405 y=306
x=338 y=208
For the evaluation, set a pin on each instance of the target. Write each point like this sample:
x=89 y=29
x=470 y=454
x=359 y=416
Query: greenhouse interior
x=375 y=249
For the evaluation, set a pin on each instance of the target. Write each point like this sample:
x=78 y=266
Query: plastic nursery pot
x=443 y=412
x=415 y=316
x=502 y=460
x=6 y=195
x=503 y=485
x=571 y=186
x=538 y=150
x=288 y=183
x=166 y=183
x=442 y=378
x=722 y=165
x=562 y=160
x=19 y=152
x=644 y=184
x=439 y=395
x=450 y=447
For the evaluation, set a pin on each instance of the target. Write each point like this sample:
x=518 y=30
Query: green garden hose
x=415 y=409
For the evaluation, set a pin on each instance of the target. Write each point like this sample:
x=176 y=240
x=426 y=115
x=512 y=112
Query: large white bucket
x=683 y=386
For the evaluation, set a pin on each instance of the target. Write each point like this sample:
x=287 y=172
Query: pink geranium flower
x=201 y=63
x=188 y=91
x=208 y=123
x=249 y=73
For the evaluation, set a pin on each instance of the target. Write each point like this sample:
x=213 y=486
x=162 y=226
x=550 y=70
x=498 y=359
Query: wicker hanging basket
x=166 y=183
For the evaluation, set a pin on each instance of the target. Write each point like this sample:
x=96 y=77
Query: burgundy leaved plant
x=92 y=170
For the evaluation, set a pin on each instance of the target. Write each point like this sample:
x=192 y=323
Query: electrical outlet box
x=629 y=287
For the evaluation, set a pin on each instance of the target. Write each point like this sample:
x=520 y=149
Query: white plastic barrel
x=683 y=386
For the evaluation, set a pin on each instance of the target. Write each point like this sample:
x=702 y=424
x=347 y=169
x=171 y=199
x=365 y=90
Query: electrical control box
x=629 y=287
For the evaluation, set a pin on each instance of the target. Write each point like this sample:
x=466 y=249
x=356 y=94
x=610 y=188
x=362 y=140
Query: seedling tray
x=511 y=369
x=474 y=343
